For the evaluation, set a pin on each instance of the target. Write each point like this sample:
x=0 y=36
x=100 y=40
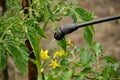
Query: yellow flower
x=59 y=54
x=44 y=54
x=54 y=64
x=69 y=43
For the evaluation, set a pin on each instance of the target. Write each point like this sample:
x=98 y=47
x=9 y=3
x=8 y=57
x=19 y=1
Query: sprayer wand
x=69 y=28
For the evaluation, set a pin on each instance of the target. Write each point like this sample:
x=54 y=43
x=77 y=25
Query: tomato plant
x=65 y=63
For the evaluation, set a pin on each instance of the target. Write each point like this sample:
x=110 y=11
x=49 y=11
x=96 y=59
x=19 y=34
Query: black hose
x=98 y=21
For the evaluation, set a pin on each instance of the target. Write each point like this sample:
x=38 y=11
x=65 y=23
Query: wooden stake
x=3 y=6
x=32 y=69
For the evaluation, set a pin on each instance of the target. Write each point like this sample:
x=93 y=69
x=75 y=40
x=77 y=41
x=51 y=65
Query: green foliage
x=79 y=63
x=34 y=41
x=67 y=74
x=12 y=41
x=83 y=16
x=20 y=56
x=110 y=59
x=63 y=43
x=85 y=56
x=3 y=58
x=88 y=34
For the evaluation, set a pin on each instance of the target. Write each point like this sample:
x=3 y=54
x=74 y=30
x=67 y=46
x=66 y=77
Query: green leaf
x=85 y=55
x=3 y=61
x=73 y=4
x=3 y=58
x=97 y=48
x=86 y=70
x=20 y=57
x=64 y=62
x=58 y=19
x=84 y=15
x=80 y=77
x=50 y=12
x=63 y=43
x=34 y=40
x=73 y=17
x=107 y=72
x=1 y=52
x=66 y=12
x=116 y=66
x=29 y=21
x=66 y=74
x=40 y=31
x=110 y=59
x=52 y=76
x=88 y=34
x=58 y=9
x=75 y=49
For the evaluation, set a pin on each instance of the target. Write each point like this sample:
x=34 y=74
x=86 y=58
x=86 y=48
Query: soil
x=108 y=33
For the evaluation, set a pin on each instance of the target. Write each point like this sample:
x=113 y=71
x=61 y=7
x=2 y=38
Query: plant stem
x=39 y=66
x=98 y=63
x=45 y=25
x=32 y=60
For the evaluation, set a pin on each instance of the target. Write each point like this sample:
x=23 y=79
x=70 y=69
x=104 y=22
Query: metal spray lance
x=69 y=28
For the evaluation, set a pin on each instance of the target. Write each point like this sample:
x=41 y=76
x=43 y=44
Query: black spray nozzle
x=68 y=28
x=65 y=29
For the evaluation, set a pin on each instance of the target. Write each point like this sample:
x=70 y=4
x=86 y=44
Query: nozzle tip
x=58 y=35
